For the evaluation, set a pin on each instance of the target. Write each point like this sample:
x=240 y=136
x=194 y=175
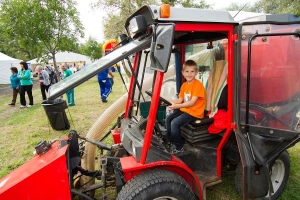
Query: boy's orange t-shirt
x=189 y=90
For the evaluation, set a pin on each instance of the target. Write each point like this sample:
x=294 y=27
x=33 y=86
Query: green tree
x=245 y=7
x=269 y=6
x=278 y=6
x=188 y=3
x=119 y=10
x=10 y=46
x=44 y=26
x=91 y=49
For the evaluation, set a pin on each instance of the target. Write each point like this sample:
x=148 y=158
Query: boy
x=188 y=107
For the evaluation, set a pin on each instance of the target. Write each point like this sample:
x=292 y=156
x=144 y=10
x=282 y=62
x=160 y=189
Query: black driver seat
x=198 y=130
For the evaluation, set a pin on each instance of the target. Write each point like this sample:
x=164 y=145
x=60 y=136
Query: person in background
x=111 y=79
x=105 y=84
x=26 y=85
x=73 y=68
x=30 y=69
x=55 y=79
x=83 y=65
x=50 y=70
x=70 y=94
x=15 y=85
x=43 y=77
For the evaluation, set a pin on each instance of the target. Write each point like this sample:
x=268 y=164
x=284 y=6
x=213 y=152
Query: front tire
x=156 y=184
x=279 y=174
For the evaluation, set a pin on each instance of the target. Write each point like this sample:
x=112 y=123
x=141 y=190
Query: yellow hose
x=107 y=117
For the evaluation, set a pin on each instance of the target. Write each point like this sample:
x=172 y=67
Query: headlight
x=136 y=26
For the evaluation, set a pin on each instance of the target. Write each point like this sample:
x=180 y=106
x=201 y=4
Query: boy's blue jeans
x=173 y=123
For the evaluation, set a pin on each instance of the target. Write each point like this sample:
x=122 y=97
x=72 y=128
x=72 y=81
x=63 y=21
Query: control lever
x=100 y=145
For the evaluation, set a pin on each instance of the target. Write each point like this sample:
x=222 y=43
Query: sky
x=92 y=19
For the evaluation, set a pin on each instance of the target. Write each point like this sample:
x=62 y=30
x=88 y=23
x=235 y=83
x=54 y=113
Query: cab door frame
x=258 y=145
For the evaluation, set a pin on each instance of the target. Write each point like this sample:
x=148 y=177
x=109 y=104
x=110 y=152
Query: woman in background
x=15 y=85
x=26 y=85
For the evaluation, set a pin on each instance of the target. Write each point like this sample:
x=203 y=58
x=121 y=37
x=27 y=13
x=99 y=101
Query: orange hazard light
x=165 y=11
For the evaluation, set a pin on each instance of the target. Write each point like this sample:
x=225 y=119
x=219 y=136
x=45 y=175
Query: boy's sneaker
x=174 y=150
x=104 y=100
x=11 y=104
x=23 y=106
x=29 y=106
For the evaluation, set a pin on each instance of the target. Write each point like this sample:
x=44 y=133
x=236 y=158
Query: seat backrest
x=223 y=101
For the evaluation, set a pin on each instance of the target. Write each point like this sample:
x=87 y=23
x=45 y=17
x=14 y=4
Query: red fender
x=132 y=168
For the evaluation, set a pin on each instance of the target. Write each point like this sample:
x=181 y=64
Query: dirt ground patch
x=6 y=89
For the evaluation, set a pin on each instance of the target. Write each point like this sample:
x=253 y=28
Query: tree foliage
x=43 y=26
x=119 y=10
x=187 y=3
x=245 y=7
x=91 y=49
x=278 y=6
x=269 y=6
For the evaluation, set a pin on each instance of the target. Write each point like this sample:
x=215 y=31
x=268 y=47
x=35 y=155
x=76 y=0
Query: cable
x=71 y=118
x=90 y=179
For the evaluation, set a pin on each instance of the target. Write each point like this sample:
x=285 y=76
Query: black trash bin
x=55 y=111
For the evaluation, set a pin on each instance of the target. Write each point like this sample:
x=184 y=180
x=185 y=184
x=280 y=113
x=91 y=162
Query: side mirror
x=161 y=46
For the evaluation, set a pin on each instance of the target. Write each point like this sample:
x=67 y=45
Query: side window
x=168 y=90
x=274 y=91
x=205 y=55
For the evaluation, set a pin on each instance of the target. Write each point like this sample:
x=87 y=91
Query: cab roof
x=152 y=14
x=280 y=18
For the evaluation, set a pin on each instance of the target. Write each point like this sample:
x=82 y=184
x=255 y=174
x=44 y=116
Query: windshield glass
x=88 y=72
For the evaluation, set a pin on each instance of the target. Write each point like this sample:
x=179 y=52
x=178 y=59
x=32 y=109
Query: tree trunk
x=55 y=67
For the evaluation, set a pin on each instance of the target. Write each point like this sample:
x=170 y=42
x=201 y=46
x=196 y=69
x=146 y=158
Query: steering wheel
x=168 y=103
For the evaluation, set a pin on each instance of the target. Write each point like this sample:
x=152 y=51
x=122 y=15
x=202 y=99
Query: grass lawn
x=22 y=129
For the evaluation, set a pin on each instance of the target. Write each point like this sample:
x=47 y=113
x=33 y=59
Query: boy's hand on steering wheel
x=173 y=106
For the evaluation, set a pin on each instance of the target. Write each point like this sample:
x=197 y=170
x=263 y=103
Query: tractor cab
x=249 y=70
x=250 y=73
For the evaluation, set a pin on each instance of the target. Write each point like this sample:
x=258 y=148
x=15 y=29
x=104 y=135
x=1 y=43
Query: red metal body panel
x=204 y=27
x=229 y=29
x=43 y=177
x=230 y=78
x=131 y=168
x=152 y=115
x=116 y=136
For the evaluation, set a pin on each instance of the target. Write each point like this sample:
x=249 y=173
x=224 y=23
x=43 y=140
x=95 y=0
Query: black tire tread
x=153 y=181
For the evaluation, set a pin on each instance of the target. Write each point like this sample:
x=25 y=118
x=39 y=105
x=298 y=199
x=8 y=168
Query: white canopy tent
x=65 y=56
x=6 y=63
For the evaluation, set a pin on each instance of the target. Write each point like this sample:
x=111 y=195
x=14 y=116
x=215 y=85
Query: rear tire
x=156 y=184
x=279 y=173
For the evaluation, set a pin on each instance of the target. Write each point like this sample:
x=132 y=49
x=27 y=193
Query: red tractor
x=251 y=72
